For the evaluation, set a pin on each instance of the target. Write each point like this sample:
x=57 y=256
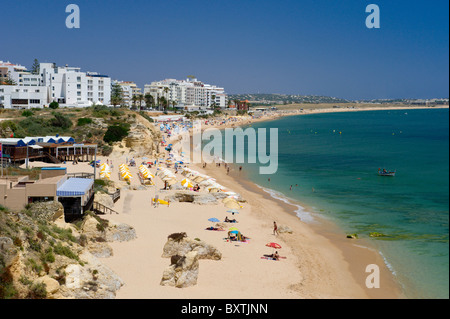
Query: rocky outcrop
x=196 y=198
x=185 y=245
x=143 y=139
x=49 y=211
x=183 y=271
x=91 y=281
x=99 y=232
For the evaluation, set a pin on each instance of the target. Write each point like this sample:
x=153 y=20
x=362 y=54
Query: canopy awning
x=75 y=187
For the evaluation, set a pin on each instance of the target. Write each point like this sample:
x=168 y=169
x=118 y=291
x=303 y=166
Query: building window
x=35 y=101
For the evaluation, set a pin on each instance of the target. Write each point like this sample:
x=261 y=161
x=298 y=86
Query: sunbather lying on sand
x=230 y=220
x=215 y=228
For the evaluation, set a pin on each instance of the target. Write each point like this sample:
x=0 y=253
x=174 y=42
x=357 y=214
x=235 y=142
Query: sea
x=328 y=167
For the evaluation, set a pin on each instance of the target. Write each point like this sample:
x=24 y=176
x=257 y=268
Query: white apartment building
x=27 y=92
x=66 y=85
x=22 y=97
x=188 y=94
x=72 y=88
x=129 y=89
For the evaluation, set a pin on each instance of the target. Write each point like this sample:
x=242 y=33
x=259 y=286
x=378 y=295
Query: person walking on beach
x=156 y=199
x=275 y=228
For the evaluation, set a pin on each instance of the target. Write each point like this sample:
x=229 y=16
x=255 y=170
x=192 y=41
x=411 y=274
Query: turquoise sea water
x=334 y=158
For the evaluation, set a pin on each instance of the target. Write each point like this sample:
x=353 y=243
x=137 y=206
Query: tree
x=149 y=100
x=134 y=99
x=54 y=105
x=140 y=99
x=163 y=102
x=116 y=94
x=166 y=90
x=35 y=69
x=9 y=80
x=213 y=104
x=116 y=133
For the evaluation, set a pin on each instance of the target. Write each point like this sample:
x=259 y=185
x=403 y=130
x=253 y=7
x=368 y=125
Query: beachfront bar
x=77 y=196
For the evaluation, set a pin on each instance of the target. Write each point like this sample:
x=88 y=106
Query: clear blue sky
x=310 y=47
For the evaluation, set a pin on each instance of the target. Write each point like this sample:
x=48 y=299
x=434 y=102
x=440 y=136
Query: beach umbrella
x=233 y=228
x=234 y=232
x=186 y=183
x=214 y=220
x=232 y=205
x=274 y=245
x=234 y=211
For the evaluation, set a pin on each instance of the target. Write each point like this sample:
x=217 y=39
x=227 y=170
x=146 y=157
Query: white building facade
x=72 y=88
x=188 y=94
x=66 y=85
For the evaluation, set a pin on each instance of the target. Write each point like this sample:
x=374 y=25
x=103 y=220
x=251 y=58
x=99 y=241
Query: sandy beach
x=320 y=261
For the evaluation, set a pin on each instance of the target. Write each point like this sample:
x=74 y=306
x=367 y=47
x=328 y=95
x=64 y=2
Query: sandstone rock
x=89 y=227
x=100 y=250
x=193 y=197
x=104 y=199
x=7 y=251
x=183 y=273
x=52 y=286
x=186 y=245
x=120 y=232
x=49 y=211
x=91 y=281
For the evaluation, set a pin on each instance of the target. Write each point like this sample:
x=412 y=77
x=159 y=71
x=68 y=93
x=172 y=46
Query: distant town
x=48 y=85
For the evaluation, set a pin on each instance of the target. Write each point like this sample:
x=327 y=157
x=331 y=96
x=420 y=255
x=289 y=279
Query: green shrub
x=48 y=256
x=61 y=121
x=54 y=105
x=27 y=113
x=65 y=251
x=115 y=133
x=106 y=150
x=38 y=291
x=84 y=121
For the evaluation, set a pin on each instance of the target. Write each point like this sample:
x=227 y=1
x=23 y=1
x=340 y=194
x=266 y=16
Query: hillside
x=87 y=125
x=42 y=257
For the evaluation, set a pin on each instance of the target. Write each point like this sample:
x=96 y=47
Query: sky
x=306 y=47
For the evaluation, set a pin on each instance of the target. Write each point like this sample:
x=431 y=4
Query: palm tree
x=116 y=95
x=134 y=99
x=213 y=104
x=140 y=99
x=167 y=90
x=149 y=100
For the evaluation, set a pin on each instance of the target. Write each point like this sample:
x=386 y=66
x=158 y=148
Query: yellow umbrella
x=186 y=183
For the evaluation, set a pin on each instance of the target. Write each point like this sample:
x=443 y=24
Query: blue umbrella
x=214 y=220
x=234 y=211
x=235 y=232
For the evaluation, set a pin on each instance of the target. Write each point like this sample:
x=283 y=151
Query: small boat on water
x=384 y=172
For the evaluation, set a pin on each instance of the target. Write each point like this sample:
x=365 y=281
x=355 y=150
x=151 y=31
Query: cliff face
x=43 y=257
x=143 y=139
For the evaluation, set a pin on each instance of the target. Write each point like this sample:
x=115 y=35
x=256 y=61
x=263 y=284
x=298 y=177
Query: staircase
x=100 y=209
x=52 y=158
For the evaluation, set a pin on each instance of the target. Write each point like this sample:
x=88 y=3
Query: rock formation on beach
x=184 y=254
x=185 y=245
x=183 y=271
